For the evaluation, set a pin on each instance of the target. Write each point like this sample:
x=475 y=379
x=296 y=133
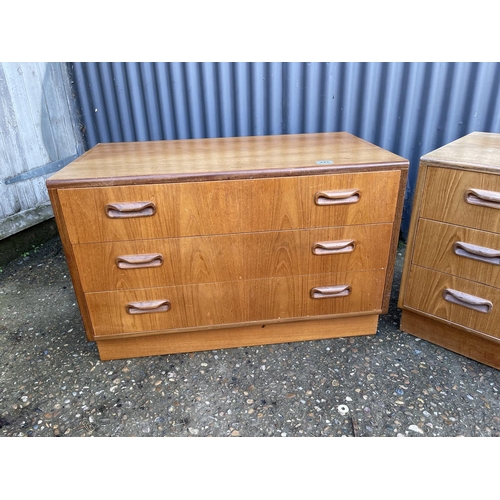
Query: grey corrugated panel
x=109 y=101
x=117 y=86
x=408 y=108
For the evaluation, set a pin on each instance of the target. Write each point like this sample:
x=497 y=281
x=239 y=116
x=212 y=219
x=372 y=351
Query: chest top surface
x=475 y=151
x=223 y=158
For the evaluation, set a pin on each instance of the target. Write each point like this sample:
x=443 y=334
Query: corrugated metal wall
x=407 y=108
x=39 y=133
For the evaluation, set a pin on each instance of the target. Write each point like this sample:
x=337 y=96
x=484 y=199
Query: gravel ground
x=52 y=382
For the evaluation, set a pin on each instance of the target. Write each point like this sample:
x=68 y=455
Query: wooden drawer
x=462 y=197
x=205 y=259
x=457 y=250
x=205 y=208
x=243 y=302
x=442 y=295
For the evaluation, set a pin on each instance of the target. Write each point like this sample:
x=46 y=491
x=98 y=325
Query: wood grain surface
x=212 y=304
x=425 y=294
x=218 y=158
x=434 y=249
x=192 y=209
x=444 y=194
x=243 y=335
x=479 y=347
x=475 y=151
x=236 y=256
x=414 y=221
x=71 y=261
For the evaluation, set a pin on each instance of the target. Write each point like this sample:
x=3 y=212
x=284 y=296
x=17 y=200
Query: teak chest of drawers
x=188 y=245
x=450 y=290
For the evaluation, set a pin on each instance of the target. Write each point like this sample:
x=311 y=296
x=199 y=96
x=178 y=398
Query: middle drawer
x=457 y=250
x=182 y=261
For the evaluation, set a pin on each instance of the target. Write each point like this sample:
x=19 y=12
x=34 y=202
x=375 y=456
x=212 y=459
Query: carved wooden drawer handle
x=139 y=261
x=152 y=306
x=333 y=247
x=466 y=300
x=327 y=292
x=482 y=198
x=342 y=197
x=475 y=252
x=131 y=209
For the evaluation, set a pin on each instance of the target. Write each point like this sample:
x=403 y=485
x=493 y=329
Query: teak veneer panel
x=244 y=335
x=226 y=257
x=212 y=304
x=444 y=198
x=218 y=158
x=192 y=209
x=477 y=151
x=434 y=249
x=474 y=346
x=425 y=293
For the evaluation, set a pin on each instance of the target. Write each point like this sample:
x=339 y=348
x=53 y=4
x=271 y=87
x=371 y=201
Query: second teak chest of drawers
x=186 y=245
x=450 y=290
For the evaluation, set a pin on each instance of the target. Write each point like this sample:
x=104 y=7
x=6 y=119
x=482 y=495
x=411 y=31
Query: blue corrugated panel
x=407 y=108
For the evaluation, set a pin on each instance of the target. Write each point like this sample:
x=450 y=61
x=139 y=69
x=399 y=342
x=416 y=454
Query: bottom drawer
x=207 y=304
x=459 y=301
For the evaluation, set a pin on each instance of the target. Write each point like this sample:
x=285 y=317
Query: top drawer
x=223 y=207
x=461 y=197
